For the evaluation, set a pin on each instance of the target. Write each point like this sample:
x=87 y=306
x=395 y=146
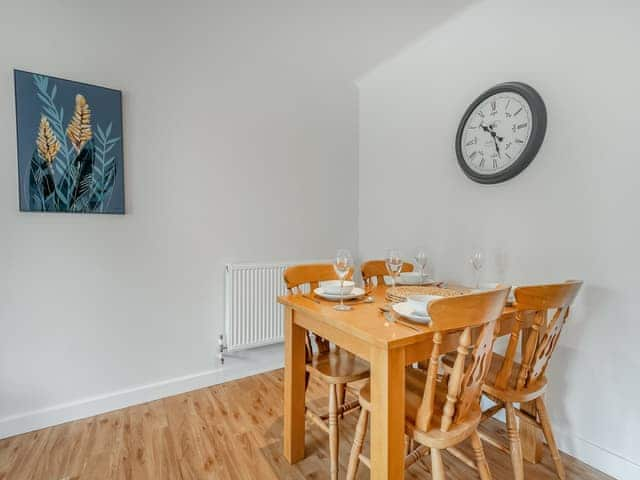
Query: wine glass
x=477 y=261
x=342 y=265
x=421 y=262
x=393 y=261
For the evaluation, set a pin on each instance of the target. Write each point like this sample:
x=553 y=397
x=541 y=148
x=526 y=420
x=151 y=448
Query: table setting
x=407 y=294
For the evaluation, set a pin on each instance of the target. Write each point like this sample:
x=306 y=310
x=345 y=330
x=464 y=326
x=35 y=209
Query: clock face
x=501 y=132
x=496 y=133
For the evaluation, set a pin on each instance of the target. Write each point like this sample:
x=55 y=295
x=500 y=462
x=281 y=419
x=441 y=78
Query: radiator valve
x=221 y=349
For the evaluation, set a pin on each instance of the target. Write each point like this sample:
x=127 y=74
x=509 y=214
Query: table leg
x=294 y=389
x=387 y=416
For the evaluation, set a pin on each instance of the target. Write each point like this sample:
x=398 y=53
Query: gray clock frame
x=538 y=130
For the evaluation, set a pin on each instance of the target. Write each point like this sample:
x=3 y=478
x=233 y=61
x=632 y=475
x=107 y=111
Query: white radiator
x=253 y=317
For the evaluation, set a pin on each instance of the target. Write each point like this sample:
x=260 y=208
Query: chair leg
x=341 y=391
x=334 y=435
x=548 y=434
x=514 y=442
x=481 y=461
x=358 y=443
x=437 y=467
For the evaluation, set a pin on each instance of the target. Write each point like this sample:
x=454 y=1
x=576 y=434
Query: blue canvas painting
x=70 y=155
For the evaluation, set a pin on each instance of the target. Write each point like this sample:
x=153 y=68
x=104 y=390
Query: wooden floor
x=229 y=431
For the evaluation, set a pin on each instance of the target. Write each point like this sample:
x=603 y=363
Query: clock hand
x=489 y=129
x=496 y=144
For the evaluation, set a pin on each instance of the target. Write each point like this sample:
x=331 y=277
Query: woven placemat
x=400 y=294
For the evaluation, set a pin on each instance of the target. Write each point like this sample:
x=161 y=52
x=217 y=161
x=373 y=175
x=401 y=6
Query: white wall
x=571 y=214
x=238 y=117
x=219 y=130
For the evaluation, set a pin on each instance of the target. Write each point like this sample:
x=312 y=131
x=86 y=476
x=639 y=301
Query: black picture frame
x=538 y=130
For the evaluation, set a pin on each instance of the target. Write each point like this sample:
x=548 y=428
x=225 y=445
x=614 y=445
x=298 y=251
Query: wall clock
x=501 y=132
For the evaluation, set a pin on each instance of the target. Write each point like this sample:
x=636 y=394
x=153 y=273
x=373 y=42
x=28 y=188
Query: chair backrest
x=474 y=316
x=377 y=269
x=542 y=312
x=297 y=276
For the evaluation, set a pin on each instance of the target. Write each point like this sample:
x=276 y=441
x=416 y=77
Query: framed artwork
x=70 y=155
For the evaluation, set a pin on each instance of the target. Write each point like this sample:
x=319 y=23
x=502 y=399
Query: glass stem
x=342 y=292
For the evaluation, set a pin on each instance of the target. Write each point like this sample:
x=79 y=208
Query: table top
x=365 y=321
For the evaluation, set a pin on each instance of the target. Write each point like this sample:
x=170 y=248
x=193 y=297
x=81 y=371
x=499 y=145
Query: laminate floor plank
x=229 y=431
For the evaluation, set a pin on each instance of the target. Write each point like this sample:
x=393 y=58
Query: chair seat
x=508 y=393
x=415 y=381
x=339 y=367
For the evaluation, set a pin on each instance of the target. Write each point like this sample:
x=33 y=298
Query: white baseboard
x=237 y=365
x=598 y=457
x=587 y=452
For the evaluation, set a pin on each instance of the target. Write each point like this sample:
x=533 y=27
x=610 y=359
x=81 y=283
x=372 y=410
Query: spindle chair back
x=542 y=312
x=443 y=411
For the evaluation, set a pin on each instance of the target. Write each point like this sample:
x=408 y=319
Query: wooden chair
x=332 y=365
x=510 y=382
x=377 y=269
x=441 y=413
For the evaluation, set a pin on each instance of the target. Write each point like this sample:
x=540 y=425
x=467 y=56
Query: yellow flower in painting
x=79 y=129
x=47 y=142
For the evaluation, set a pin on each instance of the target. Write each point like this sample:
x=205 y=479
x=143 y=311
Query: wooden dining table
x=389 y=347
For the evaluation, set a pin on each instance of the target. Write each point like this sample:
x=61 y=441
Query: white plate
x=406 y=310
x=355 y=293
x=400 y=281
x=422 y=305
x=332 y=287
x=426 y=281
